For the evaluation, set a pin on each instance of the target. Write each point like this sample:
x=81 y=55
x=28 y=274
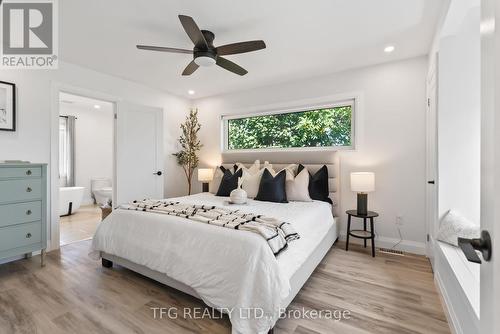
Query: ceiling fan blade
x=193 y=31
x=230 y=66
x=192 y=66
x=163 y=49
x=242 y=47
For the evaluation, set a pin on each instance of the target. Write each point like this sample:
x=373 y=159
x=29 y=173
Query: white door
x=139 y=153
x=431 y=161
x=490 y=163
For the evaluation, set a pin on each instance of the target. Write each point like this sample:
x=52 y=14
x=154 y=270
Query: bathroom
x=86 y=140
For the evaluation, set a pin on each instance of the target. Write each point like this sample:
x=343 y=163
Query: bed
x=229 y=270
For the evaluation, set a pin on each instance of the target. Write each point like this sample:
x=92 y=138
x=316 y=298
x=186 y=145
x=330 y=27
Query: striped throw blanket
x=275 y=232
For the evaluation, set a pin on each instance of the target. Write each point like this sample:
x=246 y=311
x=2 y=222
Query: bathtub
x=70 y=199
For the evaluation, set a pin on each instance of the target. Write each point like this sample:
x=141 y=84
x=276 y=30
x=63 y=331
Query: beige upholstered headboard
x=333 y=177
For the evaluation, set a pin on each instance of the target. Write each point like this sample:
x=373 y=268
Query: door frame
x=431 y=93
x=490 y=163
x=53 y=230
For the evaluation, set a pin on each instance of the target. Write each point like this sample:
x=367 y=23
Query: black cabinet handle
x=431 y=182
x=28 y=212
x=29 y=189
x=28 y=172
x=159 y=173
x=28 y=235
x=470 y=246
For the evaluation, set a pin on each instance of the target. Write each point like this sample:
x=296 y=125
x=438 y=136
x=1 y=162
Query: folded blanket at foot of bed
x=277 y=233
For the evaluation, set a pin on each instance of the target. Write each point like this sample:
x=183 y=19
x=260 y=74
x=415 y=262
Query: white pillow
x=268 y=166
x=251 y=182
x=291 y=171
x=214 y=185
x=255 y=168
x=297 y=188
x=454 y=225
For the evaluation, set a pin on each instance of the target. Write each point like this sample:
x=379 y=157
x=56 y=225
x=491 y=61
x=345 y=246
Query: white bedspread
x=227 y=268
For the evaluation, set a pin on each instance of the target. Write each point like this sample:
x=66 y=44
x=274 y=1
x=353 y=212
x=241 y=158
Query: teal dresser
x=23 y=209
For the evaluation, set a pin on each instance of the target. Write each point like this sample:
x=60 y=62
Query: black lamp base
x=204 y=187
x=362 y=204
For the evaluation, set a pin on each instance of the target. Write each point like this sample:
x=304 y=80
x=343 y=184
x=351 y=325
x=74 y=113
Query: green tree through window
x=312 y=128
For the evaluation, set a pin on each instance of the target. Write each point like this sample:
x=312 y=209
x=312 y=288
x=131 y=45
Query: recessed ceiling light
x=96 y=106
x=389 y=48
x=191 y=92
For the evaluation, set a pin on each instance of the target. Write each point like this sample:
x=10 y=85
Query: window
x=327 y=126
x=63 y=149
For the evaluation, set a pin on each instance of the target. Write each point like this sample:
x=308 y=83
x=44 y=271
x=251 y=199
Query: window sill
x=467 y=273
x=296 y=149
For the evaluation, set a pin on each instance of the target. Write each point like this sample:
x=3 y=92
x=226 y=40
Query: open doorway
x=86 y=141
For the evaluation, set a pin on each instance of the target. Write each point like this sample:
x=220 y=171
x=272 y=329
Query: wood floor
x=74 y=294
x=81 y=225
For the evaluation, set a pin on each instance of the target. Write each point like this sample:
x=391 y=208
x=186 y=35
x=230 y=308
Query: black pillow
x=272 y=189
x=229 y=182
x=318 y=184
x=223 y=169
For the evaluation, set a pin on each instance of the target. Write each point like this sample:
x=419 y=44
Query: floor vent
x=391 y=251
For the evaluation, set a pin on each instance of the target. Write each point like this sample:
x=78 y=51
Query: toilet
x=102 y=191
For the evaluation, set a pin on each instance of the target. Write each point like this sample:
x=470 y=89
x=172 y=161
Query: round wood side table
x=361 y=234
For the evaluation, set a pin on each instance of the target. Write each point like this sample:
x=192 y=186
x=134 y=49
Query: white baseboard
x=460 y=314
x=446 y=302
x=408 y=246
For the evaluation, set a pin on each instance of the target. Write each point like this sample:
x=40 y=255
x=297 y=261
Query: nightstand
x=361 y=234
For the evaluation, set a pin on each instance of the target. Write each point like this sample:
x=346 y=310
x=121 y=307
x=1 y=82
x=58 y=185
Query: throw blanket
x=276 y=233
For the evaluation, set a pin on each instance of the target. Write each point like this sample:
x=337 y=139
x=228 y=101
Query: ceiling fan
x=204 y=52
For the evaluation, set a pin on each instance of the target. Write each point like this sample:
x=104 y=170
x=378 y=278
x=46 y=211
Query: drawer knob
x=28 y=212
x=28 y=235
x=28 y=172
x=28 y=189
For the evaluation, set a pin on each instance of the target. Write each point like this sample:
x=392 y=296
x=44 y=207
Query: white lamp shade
x=363 y=182
x=205 y=174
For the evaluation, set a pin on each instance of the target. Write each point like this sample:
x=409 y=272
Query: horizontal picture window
x=330 y=126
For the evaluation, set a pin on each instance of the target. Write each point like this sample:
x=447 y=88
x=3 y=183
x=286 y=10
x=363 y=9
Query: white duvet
x=228 y=269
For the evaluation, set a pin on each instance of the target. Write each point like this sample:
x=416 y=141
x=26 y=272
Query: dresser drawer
x=20 y=235
x=20 y=172
x=11 y=214
x=20 y=190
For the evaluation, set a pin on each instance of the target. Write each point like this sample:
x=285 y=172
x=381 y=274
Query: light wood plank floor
x=81 y=225
x=73 y=294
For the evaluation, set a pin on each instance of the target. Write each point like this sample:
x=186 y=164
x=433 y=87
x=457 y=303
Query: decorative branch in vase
x=187 y=157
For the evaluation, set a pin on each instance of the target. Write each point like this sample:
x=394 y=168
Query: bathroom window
x=66 y=151
x=63 y=144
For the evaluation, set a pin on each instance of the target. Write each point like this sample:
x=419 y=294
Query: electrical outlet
x=399 y=220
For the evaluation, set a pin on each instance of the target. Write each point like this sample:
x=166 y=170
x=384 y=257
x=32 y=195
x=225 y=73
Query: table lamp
x=205 y=175
x=362 y=183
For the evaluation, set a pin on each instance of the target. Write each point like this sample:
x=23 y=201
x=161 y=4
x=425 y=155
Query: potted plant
x=187 y=157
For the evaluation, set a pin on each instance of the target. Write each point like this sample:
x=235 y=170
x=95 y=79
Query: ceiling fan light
x=204 y=61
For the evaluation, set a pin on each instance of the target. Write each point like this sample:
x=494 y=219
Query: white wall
x=31 y=141
x=93 y=144
x=390 y=142
x=391 y=128
x=459 y=117
x=457 y=48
